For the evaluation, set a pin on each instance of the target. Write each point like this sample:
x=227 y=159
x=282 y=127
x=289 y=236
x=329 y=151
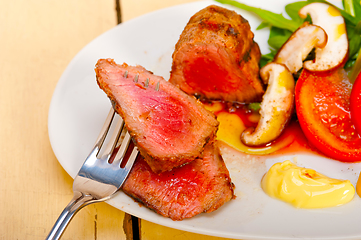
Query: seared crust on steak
x=169 y=127
x=216 y=57
x=200 y=186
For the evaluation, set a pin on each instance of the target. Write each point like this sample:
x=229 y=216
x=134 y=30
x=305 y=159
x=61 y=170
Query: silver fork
x=102 y=174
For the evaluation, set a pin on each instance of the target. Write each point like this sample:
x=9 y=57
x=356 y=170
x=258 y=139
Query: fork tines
x=117 y=144
x=103 y=172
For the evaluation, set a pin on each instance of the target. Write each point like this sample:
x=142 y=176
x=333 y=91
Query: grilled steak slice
x=169 y=127
x=200 y=186
x=216 y=57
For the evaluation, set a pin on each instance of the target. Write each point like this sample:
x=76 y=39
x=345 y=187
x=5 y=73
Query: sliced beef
x=200 y=186
x=216 y=57
x=169 y=127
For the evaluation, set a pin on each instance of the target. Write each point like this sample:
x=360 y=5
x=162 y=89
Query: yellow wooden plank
x=134 y=8
x=37 y=40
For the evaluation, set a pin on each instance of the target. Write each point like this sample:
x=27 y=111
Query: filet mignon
x=203 y=185
x=217 y=59
x=169 y=127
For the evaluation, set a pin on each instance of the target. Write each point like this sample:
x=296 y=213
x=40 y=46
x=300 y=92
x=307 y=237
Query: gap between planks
x=131 y=224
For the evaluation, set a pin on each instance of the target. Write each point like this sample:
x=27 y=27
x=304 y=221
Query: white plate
x=79 y=107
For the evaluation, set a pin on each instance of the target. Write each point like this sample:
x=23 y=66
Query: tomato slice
x=356 y=104
x=323 y=109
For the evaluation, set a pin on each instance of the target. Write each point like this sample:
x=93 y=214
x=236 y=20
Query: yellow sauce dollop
x=305 y=188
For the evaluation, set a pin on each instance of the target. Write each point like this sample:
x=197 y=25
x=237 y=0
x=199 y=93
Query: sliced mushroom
x=335 y=53
x=276 y=106
x=299 y=45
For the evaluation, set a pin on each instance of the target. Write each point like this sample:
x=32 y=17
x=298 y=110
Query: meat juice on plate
x=235 y=118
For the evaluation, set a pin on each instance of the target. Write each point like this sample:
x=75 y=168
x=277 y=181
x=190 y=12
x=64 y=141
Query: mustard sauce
x=305 y=188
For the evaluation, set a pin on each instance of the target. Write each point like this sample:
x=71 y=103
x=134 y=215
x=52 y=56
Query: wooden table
x=38 y=39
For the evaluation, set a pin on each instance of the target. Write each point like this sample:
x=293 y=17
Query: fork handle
x=79 y=200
